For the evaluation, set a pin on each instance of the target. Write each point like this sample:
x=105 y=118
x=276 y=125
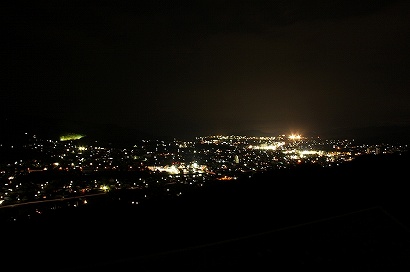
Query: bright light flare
x=294 y=137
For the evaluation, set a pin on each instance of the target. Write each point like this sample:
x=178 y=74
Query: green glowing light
x=71 y=136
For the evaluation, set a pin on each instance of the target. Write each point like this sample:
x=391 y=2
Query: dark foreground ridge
x=350 y=218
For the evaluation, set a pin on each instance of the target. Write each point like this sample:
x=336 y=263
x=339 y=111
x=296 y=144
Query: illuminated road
x=50 y=200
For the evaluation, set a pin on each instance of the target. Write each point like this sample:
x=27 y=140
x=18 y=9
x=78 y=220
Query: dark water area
x=108 y=231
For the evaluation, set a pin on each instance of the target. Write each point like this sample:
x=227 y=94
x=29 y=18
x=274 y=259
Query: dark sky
x=188 y=68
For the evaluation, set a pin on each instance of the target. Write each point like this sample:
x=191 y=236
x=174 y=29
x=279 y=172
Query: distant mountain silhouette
x=254 y=133
x=15 y=127
x=394 y=134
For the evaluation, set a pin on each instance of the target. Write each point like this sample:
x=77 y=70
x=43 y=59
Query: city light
x=169 y=164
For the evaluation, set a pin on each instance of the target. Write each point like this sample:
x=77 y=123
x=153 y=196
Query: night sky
x=191 y=68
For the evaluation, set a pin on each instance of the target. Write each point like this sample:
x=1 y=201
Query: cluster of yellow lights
x=294 y=137
x=169 y=169
x=174 y=170
x=266 y=146
x=105 y=188
x=226 y=178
